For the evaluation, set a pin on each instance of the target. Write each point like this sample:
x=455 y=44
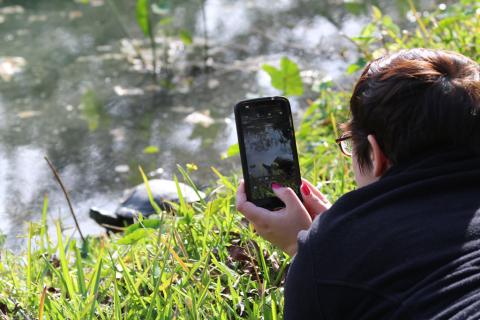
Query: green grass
x=205 y=262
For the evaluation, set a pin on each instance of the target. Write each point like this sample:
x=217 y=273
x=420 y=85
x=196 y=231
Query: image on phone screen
x=268 y=136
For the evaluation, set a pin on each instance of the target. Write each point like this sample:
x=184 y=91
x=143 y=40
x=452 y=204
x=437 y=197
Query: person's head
x=410 y=102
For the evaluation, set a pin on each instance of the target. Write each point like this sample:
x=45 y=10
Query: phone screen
x=269 y=144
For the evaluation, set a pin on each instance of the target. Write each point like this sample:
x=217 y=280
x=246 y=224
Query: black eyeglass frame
x=339 y=141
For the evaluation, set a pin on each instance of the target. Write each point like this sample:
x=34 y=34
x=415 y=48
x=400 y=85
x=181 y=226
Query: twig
x=59 y=180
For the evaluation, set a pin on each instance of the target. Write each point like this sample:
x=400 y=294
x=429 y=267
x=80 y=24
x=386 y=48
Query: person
x=406 y=243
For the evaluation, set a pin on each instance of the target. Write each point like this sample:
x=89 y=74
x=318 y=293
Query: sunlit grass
x=205 y=262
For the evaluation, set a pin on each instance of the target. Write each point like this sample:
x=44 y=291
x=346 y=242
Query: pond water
x=73 y=89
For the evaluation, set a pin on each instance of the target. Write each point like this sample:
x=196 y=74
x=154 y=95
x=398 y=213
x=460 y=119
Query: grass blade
x=94 y=293
x=64 y=264
x=42 y=303
x=43 y=226
x=191 y=184
x=80 y=274
x=224 y=180
x=155 y=206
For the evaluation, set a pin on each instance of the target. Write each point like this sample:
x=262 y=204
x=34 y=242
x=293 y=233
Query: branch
x=59 y=180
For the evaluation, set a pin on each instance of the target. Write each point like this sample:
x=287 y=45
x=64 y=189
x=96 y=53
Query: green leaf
x=352 y=68
x=390 y=25
x=273 y=72
x=287 y=78
x=376 y=13
x=145 y=224
x=143 y=19
x=368 y=31
x=186 y=37
x=233 y=150
x=191 y=166
x=358 y=65
x=135 y=236
x=151 y=150
x=449 y=21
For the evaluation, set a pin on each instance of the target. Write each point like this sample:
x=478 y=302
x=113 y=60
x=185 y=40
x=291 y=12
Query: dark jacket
x=405 y=247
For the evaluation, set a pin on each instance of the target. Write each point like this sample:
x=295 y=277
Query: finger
x=287 y=195
x=315 y=190
x=253 y=213
x=317 y=193
x=241 y=195
x=260 y=217
x=313 y=204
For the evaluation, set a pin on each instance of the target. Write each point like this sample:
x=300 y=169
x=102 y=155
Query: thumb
x=287 y=195
x=312 y=203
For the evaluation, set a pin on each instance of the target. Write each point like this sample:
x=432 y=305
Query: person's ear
x=380 y=162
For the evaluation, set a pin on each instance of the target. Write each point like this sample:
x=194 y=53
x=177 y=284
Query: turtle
x=137 y=201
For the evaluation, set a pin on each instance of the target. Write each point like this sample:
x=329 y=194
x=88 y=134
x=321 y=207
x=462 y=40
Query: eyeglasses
x=345 y=144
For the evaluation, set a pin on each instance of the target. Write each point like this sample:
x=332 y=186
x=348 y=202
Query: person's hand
x=315 y=202
x=281 y=227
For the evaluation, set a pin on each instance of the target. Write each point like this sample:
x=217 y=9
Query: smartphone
x=266 y=140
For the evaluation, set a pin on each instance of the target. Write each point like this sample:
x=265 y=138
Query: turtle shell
x=137 y=200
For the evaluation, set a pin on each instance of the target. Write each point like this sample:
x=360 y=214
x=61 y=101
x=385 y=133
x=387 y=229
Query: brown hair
x=416 y=100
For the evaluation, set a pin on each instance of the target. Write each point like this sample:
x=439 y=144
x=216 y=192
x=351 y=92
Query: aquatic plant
x=286 y=78
x=155 y=19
